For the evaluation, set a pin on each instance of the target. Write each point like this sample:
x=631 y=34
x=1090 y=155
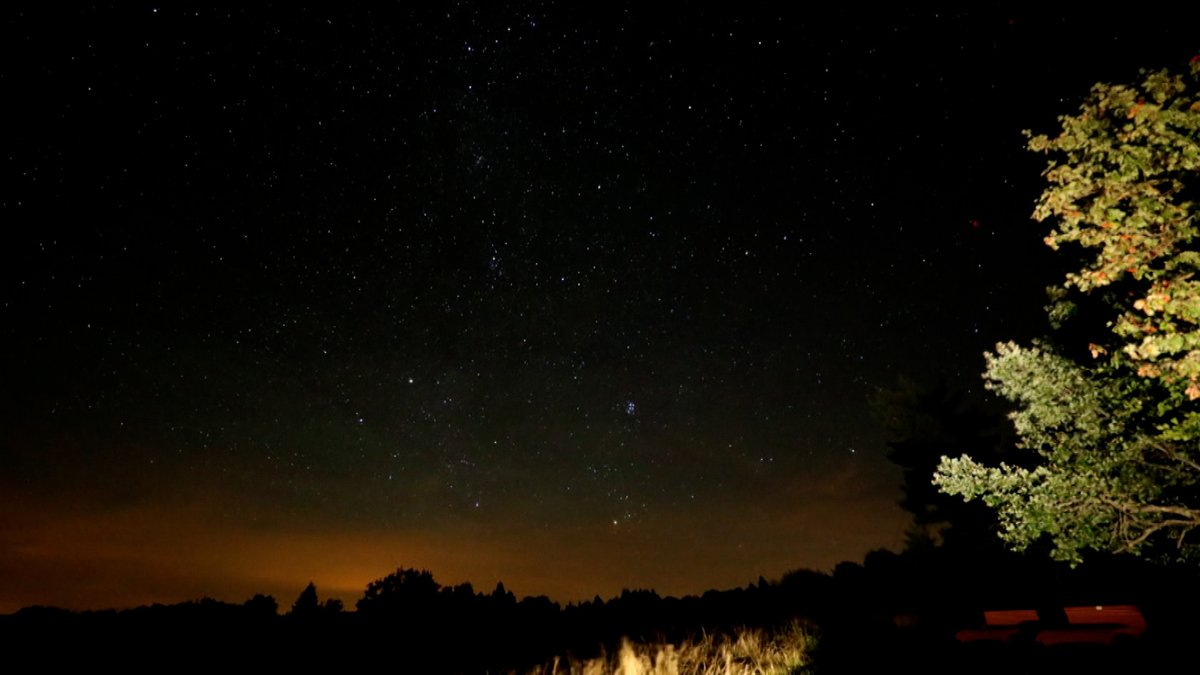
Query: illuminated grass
x=749 y=652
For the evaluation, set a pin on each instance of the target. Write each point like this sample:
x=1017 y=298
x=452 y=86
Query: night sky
x=574 y=299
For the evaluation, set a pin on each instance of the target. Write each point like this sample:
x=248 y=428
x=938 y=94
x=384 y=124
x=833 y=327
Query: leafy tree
x=264 y=605
x=405 y=591
x=1117 y=433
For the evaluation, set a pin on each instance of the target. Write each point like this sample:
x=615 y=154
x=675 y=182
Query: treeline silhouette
x=890 y=611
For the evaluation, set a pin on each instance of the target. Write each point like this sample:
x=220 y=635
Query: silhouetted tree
x=263 y=605
x=503 y=595
x=405 y=590
x=923 y=423
x=306 y=604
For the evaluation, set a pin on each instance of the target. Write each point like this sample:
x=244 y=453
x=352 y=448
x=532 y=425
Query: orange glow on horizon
x=79 y=556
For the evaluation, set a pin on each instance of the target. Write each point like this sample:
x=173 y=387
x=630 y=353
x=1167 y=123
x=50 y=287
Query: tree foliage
x=924 y=421
x=1129 y=170
x=1118 y=436
x=405 y=591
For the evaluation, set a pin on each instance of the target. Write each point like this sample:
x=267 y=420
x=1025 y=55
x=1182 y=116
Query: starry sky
x=579 y=299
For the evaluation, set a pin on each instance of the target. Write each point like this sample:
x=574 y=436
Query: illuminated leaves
x=1115 y=468
x=1121 y=185
x=1118 y=440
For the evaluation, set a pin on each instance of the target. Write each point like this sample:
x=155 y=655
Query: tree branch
x=1175 y=456
x=1185 y=525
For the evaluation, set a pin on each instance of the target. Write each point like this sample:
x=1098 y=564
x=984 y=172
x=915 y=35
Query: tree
x=924 y=421
x=406 y=591
x=1116 y=426
x=306 y=604
x=263 y=605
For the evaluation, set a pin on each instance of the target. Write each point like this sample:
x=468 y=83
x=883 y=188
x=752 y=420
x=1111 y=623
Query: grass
x=747 y=652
